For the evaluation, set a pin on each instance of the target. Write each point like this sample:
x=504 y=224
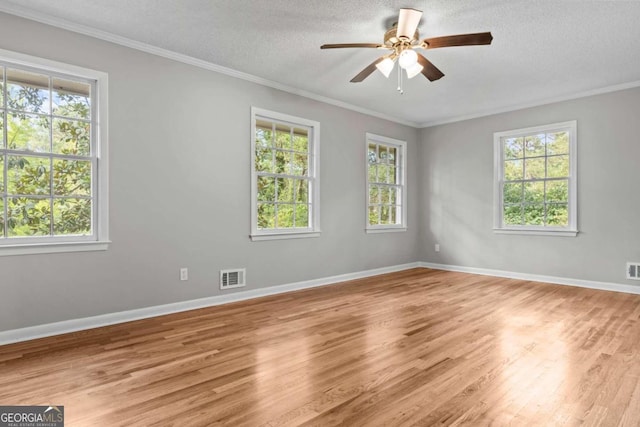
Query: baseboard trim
x=603 y=286
x=75 y=325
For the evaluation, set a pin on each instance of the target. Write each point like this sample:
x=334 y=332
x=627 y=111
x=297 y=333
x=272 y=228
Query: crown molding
x=42 y=18
x=547 y=101
x=26 y=13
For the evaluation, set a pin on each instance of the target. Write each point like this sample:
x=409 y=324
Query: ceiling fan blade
x=458 y=40
x=367 y=71
x=408 y=21
x=341 y=45
x=429 y=70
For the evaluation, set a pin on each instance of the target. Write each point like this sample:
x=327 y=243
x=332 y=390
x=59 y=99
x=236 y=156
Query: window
x=52 y=175
x=535 y=180
x=386 y=184
x=284 y=178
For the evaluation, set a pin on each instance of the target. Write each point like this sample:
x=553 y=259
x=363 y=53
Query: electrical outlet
x=184 y=274
x=437 y=247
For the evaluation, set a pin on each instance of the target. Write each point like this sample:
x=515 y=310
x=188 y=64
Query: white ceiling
x=542 y=50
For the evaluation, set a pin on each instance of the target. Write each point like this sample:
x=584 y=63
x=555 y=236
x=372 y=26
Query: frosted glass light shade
x=408 y=58
x=414 y=70
x=385 y=66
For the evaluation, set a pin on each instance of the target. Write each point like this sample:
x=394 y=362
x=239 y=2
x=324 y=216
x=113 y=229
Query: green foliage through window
x=283 y=155
x=536 y=171
x=384 y=184
x=46 y=168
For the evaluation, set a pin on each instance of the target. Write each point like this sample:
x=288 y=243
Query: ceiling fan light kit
x=403 y=39
x=386 y=65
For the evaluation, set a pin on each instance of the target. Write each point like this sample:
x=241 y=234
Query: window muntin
x=386 y=178
x=535 y=179
x=285 y=175
x=52 y=174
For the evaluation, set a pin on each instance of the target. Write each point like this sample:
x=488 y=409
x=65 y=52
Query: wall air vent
x=633 y=270
x=234 y=278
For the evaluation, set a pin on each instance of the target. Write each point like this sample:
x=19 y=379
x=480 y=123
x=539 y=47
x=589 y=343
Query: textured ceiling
x=542 y=50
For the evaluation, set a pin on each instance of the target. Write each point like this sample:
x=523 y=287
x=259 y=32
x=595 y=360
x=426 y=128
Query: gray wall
x=180 y=194
x=457 y=193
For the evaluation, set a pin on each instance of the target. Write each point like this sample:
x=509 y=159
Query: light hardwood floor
x=419 y=347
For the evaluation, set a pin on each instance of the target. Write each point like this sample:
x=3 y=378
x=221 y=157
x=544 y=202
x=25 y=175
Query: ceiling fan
x=402 y=40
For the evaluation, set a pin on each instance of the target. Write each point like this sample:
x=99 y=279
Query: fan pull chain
x=400 y=89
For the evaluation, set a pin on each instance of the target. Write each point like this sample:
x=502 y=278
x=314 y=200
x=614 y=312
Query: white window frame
x=314 y=177
x=499 y=227
x=401 y=176
x=99 y=240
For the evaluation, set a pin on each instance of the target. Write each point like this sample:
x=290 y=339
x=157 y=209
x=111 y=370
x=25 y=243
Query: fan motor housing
x=391 y=39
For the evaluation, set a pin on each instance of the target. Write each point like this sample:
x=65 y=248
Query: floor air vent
x=232 y=278
x=633 y=270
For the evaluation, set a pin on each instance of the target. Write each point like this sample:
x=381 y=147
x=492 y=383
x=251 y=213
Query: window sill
x=558 y=233
x=283 y=236
x=385 y=230
x=49 y=248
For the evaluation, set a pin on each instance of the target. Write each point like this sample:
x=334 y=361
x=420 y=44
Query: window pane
x=71 y=137
x=558 y=215
x=534 y=168
x=383 y=154
x=558 y=191
x=534 y=145
x=28 y=175
x=1 y=218
x=393 y=195
x=264 y=160
x=384 y=214
x=302 y=190
x=391 y=175
x=300 y=140
x=512 y=215
x=534 y=214
x=392 y=215
x=512 y=193
x=283 y=137
x=372 y=156
x=285 y=216
x=382 y=174
x=534 y=192
x=283 y=162
x=302 y=216
x=373 y=173
x=71 y=99
x=300 y=165
x=71 y=177
x=513 y=148
x=28 y=217
x=557 y=143
x=266 y=215
x=557 y=166
x=266 y=189
x=384 y=194
x=264 y=136
x=27 y=92
x=1 y=121
x=72 y=216
x=28 y=132
x=1 y=174
x=513 y=170
x=374 y=215
x=392 y=156
x=285 y=189
x=374 y=194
